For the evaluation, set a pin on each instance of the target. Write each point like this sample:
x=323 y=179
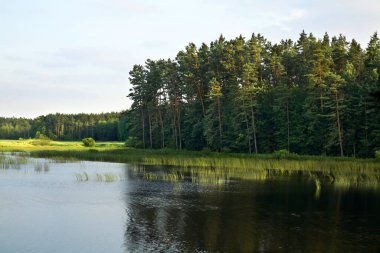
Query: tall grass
x=220 y=176
x=14 y=162
x=215 y=160
x=220 y=167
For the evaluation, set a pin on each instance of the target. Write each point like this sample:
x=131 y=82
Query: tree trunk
x=338 y=124
x=321 y=100
x=220 y=125
x=162 y=129
x=365 y=121
x=288 y=123
x=150 y=130
x=92 y=129
x=175 y=127
x=201 y=98
x=179 y=123
x=253 y=124
x=247 y=127
x=200 y=94
x=143 y=126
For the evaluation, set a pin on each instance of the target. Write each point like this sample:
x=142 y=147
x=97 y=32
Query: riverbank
x=337 y=170
x=117 y=152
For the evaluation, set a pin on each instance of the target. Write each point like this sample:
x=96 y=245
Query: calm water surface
x=93 y=207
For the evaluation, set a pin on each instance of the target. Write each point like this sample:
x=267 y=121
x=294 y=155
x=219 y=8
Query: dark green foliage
x=67 y=127
x=14 y=128
x=88 y=142
x=314 y=96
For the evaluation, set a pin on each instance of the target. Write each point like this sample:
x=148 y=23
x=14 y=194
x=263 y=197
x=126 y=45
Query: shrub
x=88 y=142
x=377 y=154
x=133 y=142
x=284 y=153
x=41 y=136
x=206 y=151
x=40 y=140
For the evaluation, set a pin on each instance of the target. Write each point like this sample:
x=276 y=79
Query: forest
x=316 y=96
x=67 y=127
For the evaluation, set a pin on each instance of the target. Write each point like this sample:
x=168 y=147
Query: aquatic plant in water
x=12 y=162
x=106 y=177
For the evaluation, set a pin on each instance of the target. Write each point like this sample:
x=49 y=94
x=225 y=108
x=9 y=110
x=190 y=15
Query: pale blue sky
x=74 y=56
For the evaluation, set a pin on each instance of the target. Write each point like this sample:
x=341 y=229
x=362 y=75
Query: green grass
x=211 y=167
x=116 y=152
x=31 y=145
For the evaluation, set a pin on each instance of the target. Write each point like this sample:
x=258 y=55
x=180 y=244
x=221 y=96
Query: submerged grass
x=106 y=177
x=41 y=167
x=15 y=162
x=223 y=176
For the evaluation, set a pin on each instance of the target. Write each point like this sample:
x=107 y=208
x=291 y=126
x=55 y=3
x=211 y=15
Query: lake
x=70 y=206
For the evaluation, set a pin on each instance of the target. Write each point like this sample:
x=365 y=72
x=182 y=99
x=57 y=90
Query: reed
x=223 y=176
x=14 y=162
x=206 y=166
x=106 y=177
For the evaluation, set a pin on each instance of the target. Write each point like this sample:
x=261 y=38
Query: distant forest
x=67 y=127
x=317 y=96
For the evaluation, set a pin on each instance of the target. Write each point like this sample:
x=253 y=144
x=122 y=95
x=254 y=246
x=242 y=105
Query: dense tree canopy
x=14 y=128
x=312 y=96
x=102 y=127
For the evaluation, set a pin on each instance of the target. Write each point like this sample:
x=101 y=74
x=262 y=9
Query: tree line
x=69 y=127
x=317 y=96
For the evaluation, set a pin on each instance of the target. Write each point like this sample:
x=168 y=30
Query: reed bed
x=12 y=162
x=206 y=166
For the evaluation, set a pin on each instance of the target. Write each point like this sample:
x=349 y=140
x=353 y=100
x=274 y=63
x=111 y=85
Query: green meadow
x=34 y=145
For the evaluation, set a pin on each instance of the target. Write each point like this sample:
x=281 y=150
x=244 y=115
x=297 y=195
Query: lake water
x=48 y=206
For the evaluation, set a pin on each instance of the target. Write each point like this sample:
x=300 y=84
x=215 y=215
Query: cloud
x=154 y=43
x=17 y=58
x=297 y=14
x=95 y=57
x=81 y=45
x=368 y=6
x=283 y=19
x=130 y=6
x=65 y=80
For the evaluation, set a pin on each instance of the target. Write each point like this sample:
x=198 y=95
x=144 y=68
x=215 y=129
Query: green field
x=32 y=145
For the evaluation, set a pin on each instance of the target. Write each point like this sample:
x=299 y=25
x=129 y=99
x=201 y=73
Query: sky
x=73 y=56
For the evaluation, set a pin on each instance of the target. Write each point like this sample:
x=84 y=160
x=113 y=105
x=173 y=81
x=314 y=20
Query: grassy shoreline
x=117 y=152
x=211 y=166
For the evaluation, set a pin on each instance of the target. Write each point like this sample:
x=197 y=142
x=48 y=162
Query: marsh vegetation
x=99 y=177
x=206 y=166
